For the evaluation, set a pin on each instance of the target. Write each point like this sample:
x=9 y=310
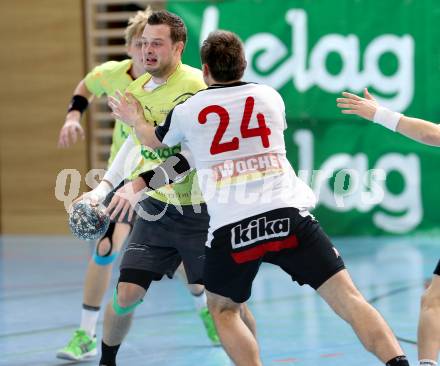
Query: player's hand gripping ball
x=87 y=221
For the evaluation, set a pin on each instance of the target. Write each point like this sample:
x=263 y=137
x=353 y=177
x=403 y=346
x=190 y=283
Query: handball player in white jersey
x=259 y=209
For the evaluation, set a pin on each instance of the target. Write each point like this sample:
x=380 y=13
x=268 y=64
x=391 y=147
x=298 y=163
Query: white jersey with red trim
x=235 y=134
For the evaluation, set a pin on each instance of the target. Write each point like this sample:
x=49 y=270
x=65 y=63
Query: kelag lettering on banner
x=369 y=180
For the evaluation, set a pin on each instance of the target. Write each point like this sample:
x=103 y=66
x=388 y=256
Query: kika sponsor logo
x=260 y=229
x=260 y=164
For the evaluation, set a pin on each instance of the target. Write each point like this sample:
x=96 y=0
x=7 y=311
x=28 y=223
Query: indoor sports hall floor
x=40 y=297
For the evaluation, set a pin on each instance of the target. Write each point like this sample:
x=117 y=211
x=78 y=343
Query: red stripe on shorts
x=261 y=249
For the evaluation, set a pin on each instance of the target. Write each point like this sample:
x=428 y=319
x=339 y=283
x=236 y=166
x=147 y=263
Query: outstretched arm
x=420 y=130
x=72 y=128
x=125 y=162
x=415 y=128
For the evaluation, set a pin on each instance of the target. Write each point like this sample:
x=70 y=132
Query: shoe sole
x=68 y=356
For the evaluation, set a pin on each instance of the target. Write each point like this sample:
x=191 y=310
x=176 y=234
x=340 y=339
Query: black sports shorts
x=160 y=246
x=282 y=237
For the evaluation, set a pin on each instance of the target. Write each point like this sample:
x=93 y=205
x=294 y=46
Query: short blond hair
x=136 y=25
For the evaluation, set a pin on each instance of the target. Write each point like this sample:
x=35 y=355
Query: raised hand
x=126 y=108
x=363 y=107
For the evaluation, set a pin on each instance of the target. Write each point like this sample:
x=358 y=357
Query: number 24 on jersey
x=218 y=146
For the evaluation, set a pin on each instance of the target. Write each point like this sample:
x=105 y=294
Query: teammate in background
x=104 y=79
x=427 y=133
x=177 y=232
x=234 y=132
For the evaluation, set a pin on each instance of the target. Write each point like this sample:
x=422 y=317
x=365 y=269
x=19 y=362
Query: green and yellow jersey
x=182 y=84
x=106 y=79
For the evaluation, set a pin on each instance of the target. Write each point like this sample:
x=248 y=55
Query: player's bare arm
x=367 y=107
x=420 y=130
x=72 y=128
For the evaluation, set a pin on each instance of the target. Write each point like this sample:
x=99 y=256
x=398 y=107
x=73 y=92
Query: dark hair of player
x=175 y=23
x=223 y=52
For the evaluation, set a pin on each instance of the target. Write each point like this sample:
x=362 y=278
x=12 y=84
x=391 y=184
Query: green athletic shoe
x=80 y=347
x=208 y=322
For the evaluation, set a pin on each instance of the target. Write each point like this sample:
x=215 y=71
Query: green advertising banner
x=368 y=180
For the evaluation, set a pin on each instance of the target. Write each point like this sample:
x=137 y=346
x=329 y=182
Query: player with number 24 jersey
x=258 y=207
x=239 y=152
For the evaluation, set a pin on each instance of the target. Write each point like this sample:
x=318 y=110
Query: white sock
x=89 y=318
x=426 y=362
x=200 y=301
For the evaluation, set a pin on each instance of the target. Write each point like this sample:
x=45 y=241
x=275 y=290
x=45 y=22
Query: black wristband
x=78 y=103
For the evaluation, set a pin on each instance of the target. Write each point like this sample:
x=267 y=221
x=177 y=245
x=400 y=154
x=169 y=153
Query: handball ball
x=88 y=222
